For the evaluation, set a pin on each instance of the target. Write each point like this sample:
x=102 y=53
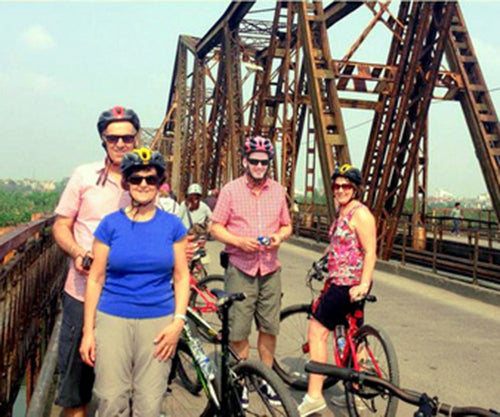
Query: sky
x=62 y=63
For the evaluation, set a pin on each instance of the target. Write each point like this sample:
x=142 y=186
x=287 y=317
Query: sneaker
x=339 y=400
x=244 y=398
x=310 y=405
x=270 y=394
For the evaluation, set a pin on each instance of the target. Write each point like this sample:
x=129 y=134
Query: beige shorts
x=263 y=303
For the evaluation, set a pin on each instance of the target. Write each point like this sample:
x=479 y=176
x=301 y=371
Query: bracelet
x=181 y=316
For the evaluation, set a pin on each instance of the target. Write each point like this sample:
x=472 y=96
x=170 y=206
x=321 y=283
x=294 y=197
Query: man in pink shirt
x=252 y=218
x=93 y=191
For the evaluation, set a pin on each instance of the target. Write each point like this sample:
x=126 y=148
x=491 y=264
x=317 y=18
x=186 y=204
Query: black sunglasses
x=263 y=162
x=346 y=187
x=137 y=179
x=115 y=138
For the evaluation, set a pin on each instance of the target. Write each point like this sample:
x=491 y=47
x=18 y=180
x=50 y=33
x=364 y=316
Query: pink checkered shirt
x=87 y=203
x=243 y=213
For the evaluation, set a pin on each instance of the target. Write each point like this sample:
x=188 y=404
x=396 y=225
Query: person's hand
x=87 y=348
x=276 y=241
x=79 y=263
x=166 y=341
x=358 y=292
x=249 y=244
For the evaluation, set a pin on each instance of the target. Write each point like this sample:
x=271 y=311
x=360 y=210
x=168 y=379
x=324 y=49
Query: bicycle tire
x=198 y=303
x=186 y=369
x=292 y=349
x=362 y=401
x=253 y=374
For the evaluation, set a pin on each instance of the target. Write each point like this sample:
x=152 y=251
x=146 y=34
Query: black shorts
x=76 y=379
x=334 y=305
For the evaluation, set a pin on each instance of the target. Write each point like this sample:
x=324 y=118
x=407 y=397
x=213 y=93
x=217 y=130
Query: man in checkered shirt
x=250 y=207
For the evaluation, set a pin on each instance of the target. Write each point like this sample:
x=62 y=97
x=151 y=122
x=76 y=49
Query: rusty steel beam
x=420 y=69
x=230 y=19
x=234 y=108
x=330 y=134
x=477 y=105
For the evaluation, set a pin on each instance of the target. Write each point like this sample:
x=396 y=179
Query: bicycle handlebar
x=379 y=384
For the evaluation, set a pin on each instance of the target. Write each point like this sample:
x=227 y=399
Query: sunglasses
x=115 y=138
x=346 y=187
x=137 y=179
x=263 y=162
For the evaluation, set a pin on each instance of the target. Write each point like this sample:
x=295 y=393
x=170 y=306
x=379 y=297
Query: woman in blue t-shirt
x=132 y=316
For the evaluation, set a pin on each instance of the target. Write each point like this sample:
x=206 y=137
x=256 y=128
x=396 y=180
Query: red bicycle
x=367 y=348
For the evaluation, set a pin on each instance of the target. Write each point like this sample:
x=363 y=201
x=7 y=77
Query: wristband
x=180 y=316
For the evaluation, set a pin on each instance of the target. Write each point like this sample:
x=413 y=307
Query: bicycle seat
x=226 y=299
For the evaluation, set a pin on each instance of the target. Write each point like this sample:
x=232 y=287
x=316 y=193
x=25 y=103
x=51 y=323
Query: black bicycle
x=242 y=387
x=365 y=385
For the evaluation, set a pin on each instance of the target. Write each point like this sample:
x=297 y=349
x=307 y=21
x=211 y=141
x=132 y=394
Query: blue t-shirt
x=140 y=264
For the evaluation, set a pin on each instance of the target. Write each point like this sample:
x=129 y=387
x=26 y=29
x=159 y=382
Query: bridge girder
x=299 y=91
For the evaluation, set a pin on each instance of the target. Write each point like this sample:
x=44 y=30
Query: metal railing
x=31 y=278
x=475 y=255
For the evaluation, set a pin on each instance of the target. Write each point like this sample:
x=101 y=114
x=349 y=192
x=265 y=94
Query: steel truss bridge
x=276 y=76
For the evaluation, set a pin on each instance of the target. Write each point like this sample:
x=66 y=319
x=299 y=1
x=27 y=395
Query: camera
x=86 y=262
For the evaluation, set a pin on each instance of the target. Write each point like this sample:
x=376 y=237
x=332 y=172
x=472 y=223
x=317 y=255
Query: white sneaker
x=310 y=405
x=244 y=398
x=270 y=394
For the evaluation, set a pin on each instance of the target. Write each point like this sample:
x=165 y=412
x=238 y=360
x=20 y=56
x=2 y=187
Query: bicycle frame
x=210 y=305
x=350 y=352
x=226 y=353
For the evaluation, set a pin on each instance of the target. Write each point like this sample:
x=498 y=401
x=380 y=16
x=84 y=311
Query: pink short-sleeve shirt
x=244 y=213
x=87 y=203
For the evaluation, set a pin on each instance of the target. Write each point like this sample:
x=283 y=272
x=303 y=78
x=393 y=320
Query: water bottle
x=341 y=342
x=199 y=354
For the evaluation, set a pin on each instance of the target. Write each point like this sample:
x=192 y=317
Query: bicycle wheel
x=292 y=348
x=186 y=369
x=375 y=350
x=203 y=302
x=262 y=401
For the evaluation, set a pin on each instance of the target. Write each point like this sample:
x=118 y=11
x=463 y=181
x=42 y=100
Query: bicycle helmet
x=194 y=189
x=165 y=187
x=258 y=144
x=143 y=158
x=353 y=174
x=117 y=114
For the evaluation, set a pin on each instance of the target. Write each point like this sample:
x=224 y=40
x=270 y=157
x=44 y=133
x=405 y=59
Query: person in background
x=351 y=262
x=133 y=317
x=211 y=199
x=252 y=218
x=456 y=213
x=193 y=210
x=167 y=203
x=93 y=191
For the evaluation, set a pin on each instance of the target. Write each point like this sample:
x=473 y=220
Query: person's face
x=120 y=138
x=143 y=185
x=343 y=190
x=258 y=164
x=193 y=201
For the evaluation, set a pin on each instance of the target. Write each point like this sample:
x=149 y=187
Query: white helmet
x=194 y=188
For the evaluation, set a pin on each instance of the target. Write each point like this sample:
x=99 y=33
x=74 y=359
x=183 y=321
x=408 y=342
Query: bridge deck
x=447 y=345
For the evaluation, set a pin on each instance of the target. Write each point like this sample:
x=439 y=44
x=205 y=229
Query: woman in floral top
x=351 y=261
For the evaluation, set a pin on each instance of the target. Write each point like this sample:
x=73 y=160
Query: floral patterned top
x=346 y=256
